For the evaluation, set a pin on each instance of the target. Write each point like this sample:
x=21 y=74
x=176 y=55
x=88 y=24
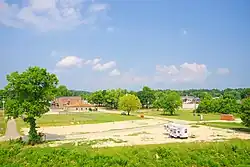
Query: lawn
x=233 y=153
x=183 y=115
x=2 y=123
x=228 y=125
x=78 y=118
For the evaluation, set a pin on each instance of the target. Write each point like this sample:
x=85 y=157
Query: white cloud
x=98 y=7
x=115 y=72
x=46 y=15
x=103 y=67
x=184 y=73
x=93 y=62
x=70 y=61
x=222 y=71
x=110 y=29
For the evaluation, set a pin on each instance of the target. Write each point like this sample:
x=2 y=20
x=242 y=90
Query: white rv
x=176 y=130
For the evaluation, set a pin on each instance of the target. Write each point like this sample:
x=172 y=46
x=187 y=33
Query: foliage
x=245 y=112
x=63 y=91
x=29 y=95
x=97 y=97
x=129 y=103
x=146 y=96
x=226 y=104
x=112 y=97
x=216 y=154
x=170 y=102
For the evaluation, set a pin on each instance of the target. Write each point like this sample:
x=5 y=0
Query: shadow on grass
x=245 y=130
x=169 y=114
x=48 y=137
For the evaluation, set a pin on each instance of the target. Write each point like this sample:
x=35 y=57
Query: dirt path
x=11 y=131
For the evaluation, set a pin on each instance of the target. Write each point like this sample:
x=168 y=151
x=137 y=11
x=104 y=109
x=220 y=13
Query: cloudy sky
x=99 y=44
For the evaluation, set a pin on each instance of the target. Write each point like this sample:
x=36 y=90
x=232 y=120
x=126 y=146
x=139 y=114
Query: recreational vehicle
x=176 y=130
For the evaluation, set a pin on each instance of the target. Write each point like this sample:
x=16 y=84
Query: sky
x=103 y=44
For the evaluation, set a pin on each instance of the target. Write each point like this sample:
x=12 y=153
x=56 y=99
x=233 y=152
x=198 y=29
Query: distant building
x=70 y=103
x=190 y=102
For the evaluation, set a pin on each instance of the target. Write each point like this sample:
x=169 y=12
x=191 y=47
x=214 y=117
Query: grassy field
x=228 y=125
x=2 y=123
x=79 y=118
x=234 y=153
x=183 y=115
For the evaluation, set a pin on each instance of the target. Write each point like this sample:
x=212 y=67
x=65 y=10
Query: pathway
x=11 y=131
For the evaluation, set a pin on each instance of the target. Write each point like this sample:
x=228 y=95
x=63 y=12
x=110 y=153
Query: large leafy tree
x=245 y=111
x=171 y=102
x=29 y=95
x=146 y=96
x=129 y=103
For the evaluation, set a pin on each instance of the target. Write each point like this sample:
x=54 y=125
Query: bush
x=229 y=154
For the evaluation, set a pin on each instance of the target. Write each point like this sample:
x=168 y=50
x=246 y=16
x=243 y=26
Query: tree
x=159 y=95
x=129 y=103
x=29 y=95
x=245 y=112
x=146 y=96
x=229 y=105
x=112 y=97
x=63 y=91
x=245 y=93
x=97 y=97
x=171 y=102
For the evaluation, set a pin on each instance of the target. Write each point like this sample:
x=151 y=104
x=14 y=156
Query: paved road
x=11 y=131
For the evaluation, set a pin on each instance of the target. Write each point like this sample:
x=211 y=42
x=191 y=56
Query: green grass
x=234 y=153
x=2 y=123
x=79 y=118
x=228 y=125
x=183 y=115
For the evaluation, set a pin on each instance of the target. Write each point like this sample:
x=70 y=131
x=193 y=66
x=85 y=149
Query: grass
x=2 y=123
x=74 y=119
x=233 y=153
x=228 y=125
x=138 y=133
x=183 y=115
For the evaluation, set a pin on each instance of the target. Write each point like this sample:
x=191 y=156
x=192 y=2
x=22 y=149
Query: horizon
x=96 y=45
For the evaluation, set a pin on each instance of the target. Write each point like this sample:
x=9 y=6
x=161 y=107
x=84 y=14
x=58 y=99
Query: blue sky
x=93 y=44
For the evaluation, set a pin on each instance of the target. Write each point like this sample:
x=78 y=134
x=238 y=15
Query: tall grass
x=233 y=153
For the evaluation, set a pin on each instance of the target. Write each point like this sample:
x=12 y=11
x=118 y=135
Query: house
x=70 y=103
x=190 y=102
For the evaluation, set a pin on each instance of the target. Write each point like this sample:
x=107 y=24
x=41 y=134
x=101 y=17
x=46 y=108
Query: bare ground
x=127 y=133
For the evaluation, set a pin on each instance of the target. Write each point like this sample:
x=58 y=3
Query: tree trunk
x=128 y=112
x=33 y=136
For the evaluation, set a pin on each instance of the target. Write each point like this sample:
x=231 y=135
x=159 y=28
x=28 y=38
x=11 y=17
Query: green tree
x=146 y=96
x=245 y=112
x=97 y=97
x=63 y=91
x=245 y=93
x=171 y=102
x=29 y=95
x=112 y=97
x=229 y=105
x=129 y=103
x=159 y=95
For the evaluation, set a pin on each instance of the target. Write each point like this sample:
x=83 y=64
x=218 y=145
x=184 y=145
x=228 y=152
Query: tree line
x=29 y=94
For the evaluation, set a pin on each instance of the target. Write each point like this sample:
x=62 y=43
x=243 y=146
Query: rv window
x=178 y=131
x=174 y=131
x=185 y=130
